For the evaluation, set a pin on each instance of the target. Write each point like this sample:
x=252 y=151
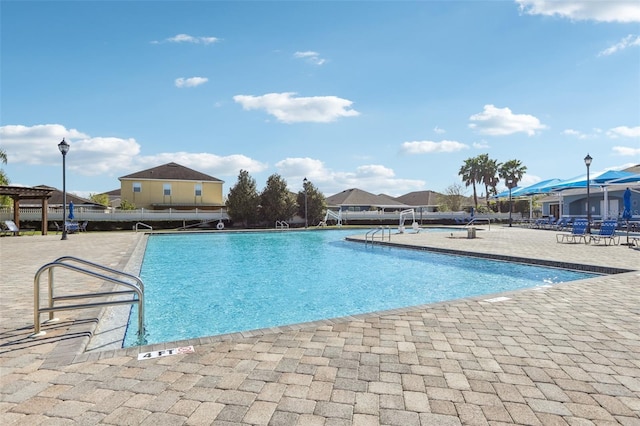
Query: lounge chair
x=578 y=233
x=13 y=228
x=607 y=233
x=562 y=224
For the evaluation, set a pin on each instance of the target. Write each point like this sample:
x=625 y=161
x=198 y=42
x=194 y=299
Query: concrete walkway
x=567 y=354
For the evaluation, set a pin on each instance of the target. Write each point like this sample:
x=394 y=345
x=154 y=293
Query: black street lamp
x=510 y=185
x=64 y=148
x=587 y=162
x=306 y=221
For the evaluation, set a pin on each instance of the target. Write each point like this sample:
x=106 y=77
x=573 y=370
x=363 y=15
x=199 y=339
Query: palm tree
x=470 y=173
x=488 y=175
x=512 y=170
x=4 y=179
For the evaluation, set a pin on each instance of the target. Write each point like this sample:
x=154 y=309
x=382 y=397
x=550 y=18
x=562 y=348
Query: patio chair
x=83 y=226
x=58 y=227
x=578 y=233
x=607 y=233
x=13 y=228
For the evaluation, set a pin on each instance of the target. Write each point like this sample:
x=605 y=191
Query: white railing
x=145 y=215
x=80 y=214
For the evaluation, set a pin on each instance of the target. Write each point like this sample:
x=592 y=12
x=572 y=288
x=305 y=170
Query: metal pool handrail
x=373 y=232
x=135 y=288
x=143 y=224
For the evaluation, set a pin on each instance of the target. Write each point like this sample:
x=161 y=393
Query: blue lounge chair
x=578 y=233
x=607 y=233
x=562 y=224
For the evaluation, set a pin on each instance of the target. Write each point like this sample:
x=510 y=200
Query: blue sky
x=388 y=97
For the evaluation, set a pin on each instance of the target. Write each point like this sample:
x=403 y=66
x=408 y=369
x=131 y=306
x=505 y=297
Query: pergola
x=18 y=193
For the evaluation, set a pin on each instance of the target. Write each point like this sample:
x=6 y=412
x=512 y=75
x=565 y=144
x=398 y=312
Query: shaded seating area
x=17 y=193
x=578 y=233
x=607 y=233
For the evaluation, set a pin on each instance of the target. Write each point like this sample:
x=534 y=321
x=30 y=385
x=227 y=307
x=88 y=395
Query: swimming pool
x=208 y=284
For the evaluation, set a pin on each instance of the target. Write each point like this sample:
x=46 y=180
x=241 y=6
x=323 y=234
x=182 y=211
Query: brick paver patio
x=562 y=355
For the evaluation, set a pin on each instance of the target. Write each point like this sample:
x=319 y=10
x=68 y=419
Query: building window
x=166 y=188
x=137 y=187
x=198 y=190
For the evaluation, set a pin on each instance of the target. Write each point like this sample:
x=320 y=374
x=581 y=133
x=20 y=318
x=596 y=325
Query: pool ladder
x=281 y=224
x=134 y=286
x=374 y=232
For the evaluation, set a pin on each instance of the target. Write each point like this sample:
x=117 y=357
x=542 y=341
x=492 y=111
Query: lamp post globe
x=304 y=185
x=587 y=162
x=64 y=148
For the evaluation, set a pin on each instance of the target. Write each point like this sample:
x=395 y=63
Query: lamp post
x=64 y=148
x=587 y=162
x=304 y=185
x=510 y=185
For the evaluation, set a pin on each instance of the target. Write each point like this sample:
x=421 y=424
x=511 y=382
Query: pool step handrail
x=139 y=224
x=134 y=285
x=281 y=224
x=475 y=220
x=375 y=231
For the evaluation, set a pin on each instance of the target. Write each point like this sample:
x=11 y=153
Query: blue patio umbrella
x=626 y=214
x=71 y=216
x=626 y=200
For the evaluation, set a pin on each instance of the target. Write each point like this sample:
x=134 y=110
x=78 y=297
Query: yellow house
x=172 y=186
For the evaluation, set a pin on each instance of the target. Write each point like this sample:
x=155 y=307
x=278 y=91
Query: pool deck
x=568 y=354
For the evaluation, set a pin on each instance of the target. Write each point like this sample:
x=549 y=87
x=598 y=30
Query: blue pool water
x=207 y=284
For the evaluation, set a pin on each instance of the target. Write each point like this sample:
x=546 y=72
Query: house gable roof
x=419 y=198
x=171 y=171
x=358 y=197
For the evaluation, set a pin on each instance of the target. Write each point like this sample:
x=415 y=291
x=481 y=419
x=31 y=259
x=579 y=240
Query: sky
x=385 y=96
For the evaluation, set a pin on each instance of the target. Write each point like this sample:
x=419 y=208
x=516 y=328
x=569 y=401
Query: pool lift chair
x=332 y=215
x=414 y=225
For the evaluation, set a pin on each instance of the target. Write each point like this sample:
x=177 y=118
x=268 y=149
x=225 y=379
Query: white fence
x=113 y=215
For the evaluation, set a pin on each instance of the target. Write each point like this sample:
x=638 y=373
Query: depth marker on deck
x=166 y=352
x=497 y=299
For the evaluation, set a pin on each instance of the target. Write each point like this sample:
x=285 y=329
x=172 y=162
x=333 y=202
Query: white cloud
x=207 y=163
x=91 y=156
x=290 y=109
x=624 y=132
x=439 y=131
x=310 y=56
x=626 y=151
x=626 y=42
x=374 y=178
x=428 y=147
x=481 y=145
x=186 y=38
x=190 y=82
x=501 y=121
x=575 y=133
x=581 y=10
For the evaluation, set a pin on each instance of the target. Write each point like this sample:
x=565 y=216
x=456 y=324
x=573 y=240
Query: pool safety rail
x=144 y=225
x=477 y=220
x=281 y=224
x=133 y=284
x=372 y=233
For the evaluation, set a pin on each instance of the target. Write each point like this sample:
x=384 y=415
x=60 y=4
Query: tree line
x=248 y=206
